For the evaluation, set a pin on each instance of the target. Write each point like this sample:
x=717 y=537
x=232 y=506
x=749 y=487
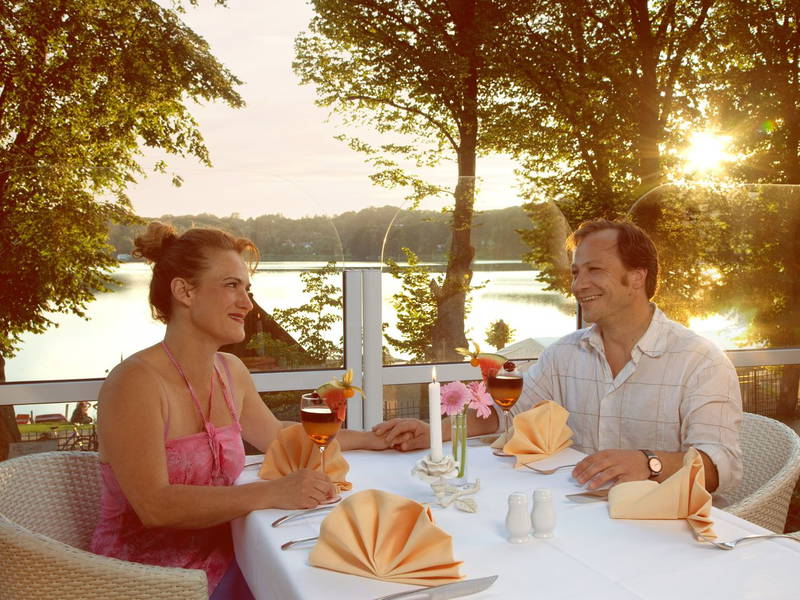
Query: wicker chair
x=771 y=457
x=49 y=505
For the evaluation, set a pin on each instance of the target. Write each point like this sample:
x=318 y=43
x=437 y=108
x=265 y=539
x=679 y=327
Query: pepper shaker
x=543 y=515
x=518 y=520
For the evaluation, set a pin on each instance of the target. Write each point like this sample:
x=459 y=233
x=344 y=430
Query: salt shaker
x=543 y=515
x=518 y=520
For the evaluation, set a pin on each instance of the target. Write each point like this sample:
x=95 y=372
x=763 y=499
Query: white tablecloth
x=591 y=555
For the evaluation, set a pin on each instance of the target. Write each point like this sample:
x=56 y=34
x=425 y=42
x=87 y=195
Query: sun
x=706 y=153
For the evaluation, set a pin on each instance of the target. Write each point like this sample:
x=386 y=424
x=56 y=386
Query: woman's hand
x=302 y=489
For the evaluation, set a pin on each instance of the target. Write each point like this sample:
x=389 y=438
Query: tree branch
x=437 y=124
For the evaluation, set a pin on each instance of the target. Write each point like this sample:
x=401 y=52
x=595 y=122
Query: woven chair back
x=771 y=467
x=56 y=494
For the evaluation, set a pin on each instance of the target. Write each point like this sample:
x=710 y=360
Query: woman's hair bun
x=154 y=241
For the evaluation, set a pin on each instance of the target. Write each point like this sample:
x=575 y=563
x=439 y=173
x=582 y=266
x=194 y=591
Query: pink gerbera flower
x=454 y=396
x=481 y=401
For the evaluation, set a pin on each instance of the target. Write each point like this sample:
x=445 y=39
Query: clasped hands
x=404 y=434
x=606 y=466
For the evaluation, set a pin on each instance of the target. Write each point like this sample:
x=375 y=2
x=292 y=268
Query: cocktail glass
x=321 y=421
x=505 y=386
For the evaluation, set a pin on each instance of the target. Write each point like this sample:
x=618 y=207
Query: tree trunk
x=9 y=432
x=650 y=133
x=451 y=297
x=448 y=328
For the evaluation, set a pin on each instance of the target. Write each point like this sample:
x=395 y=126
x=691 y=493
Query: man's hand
x=404 y=434
x=614 y=466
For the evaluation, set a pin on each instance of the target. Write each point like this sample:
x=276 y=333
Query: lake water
x=120 y=322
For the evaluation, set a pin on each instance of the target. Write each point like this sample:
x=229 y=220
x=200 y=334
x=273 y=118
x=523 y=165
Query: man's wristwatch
x=653 y=463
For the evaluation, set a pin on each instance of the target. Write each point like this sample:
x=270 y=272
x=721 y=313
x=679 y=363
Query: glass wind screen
x=509 y=301
x=58 y=257
x=730 y=260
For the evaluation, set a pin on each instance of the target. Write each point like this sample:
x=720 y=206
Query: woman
x=172 y=417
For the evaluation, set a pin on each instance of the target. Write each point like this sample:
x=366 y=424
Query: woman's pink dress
x=214 y=456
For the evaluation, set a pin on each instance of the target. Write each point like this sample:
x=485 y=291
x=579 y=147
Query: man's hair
x=634 y=246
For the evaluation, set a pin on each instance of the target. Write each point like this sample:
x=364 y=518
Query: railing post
x=372 y=358
x=353 y=311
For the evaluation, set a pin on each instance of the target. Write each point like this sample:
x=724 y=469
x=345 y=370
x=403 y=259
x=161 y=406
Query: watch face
x=655 y=465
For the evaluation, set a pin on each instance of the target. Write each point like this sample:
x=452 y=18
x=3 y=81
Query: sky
x=278 y=154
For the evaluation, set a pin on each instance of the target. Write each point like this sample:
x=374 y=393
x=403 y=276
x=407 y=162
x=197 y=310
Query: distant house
x=51 y=418
x=124 y=257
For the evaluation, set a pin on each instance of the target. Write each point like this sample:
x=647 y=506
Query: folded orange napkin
x=293 y=450
x=682 y=496
x=384 y=536
x=539 y=432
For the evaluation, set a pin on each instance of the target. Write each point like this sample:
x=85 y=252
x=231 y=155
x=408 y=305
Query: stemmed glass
x=505 y=387
x=321 y=420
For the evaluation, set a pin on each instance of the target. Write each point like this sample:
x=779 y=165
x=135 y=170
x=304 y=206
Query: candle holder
x=431 y=471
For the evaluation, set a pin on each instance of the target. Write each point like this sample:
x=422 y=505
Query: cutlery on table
x=280 y=521
x=731 y=544
x=292 y=543
x=590 y=496
x=445 y=591
x=548 y=471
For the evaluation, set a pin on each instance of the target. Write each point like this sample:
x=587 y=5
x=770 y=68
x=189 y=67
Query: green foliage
x=415 y=307
x=598 y=89
x=499 y=334
x=354 y=235
x=751 y=69
x=312 y=320
x=286 y=355
x=84 y=83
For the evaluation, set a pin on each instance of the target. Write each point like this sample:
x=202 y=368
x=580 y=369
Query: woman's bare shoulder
x=235 y=364
x=139 y=372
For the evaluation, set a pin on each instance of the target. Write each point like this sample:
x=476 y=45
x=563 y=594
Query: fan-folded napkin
x=681 y=496
x=384 y=536
x=293 y=450
x=539 y=432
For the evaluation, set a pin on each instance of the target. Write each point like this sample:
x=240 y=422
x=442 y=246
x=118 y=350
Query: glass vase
x=458 y=437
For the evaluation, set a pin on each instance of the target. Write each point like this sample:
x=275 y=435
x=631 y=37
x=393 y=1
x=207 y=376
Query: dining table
x=590 y=554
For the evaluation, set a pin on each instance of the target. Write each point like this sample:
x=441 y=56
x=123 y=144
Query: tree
x=415 y=307
x=499 y=334
x=420 y=70
x=752 y=70
x=82 y=84
x=312 y=321
x=602 y=90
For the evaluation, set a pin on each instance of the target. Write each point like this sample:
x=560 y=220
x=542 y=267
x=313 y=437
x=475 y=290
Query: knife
x=446 y=591
x=590 y=496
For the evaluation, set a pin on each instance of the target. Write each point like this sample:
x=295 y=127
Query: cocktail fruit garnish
x=336 y=392
x=489 y=363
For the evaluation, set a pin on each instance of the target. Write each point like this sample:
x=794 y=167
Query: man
x=640 y=389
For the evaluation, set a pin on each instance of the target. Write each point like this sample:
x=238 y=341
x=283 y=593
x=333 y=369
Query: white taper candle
x=435 y=417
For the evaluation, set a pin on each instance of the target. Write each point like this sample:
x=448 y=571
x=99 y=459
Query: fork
x=730 y=545
x=548 y=471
